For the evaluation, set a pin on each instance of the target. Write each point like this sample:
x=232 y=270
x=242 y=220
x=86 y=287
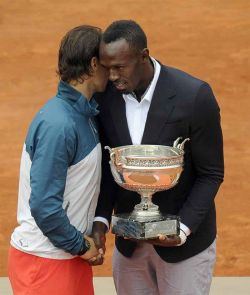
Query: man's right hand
x=92 y=252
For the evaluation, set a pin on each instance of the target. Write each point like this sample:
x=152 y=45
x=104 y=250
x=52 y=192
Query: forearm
x=206 y=154
x=199 y=202
x=52 y=151
x=54 y=224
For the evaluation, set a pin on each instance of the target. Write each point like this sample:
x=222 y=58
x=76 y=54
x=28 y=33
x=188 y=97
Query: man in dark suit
x=149 y=103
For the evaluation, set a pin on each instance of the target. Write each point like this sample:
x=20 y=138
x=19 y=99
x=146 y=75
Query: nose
x=113 y=75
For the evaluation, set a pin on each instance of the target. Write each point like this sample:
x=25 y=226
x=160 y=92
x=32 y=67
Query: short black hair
x=128 y=30
x=77 y=48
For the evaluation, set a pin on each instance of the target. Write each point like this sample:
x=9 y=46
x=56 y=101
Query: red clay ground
x=209 y=39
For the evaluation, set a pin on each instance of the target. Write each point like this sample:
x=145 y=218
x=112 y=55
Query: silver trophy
x=146 y=169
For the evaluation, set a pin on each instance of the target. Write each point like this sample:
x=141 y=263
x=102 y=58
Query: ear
x=145 y=54
x=94 y=63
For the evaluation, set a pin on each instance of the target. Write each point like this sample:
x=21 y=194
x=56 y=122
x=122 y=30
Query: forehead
x=116 y=52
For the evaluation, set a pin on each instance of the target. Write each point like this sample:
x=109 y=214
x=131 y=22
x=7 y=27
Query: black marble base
x=148 y=228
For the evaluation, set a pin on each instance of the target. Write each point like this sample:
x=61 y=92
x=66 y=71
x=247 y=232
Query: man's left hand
x=97 y=260
x=165 y=241
x=161 y=240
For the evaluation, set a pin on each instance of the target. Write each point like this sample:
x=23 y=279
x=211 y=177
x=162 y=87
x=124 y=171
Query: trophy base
x=148 y=228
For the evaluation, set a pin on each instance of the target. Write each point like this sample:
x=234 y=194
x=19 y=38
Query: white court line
x=105 y=286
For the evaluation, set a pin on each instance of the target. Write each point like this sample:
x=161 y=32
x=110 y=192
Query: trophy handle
x=108 y=148
x=180 y=145
x=113 y=156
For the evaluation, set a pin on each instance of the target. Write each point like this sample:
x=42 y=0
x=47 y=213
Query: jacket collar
x=162 y=105
x=161 y=108
x=79 y=102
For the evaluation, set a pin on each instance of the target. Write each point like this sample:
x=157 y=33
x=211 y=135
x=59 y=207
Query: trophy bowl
x=146 y=169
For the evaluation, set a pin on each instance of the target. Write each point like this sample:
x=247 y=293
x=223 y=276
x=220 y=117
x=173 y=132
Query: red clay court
x=209 y=39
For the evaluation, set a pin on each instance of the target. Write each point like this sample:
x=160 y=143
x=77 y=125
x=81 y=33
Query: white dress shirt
x=136 y=114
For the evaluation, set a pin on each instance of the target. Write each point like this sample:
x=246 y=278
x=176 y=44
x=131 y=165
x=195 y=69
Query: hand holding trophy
x=146 y=169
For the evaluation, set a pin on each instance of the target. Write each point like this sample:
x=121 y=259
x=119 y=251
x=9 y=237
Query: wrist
x=100 y=226
x=183 y=237
x=84 y=248
x=102 y=223
x=186 y=229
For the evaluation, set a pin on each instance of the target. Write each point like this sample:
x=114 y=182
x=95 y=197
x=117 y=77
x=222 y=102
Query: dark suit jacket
x=181 y=106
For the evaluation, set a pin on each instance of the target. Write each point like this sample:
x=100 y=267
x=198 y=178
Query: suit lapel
x=119 y=118
x=162 y=105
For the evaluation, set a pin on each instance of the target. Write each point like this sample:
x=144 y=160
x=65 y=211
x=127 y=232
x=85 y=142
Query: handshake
x=96 y=243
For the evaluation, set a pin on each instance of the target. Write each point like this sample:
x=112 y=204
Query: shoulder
x=52 y=121
x=55 y=113
x=182 y=78
x=187 y=86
